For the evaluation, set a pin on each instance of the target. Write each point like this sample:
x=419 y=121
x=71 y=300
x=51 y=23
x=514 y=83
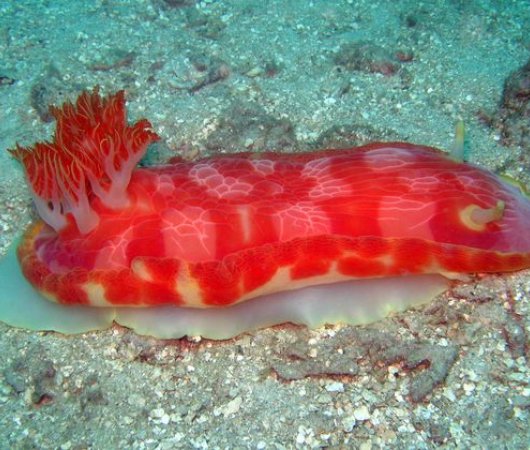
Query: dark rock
x=351 y=135
x=246 y=126
x=366 y=57
x=205 y=25
x=435 y=360
x=515 y=336
x=432 y=362
x=296 y=363
x=513 y=117
x=6 y=81
x=50 y=89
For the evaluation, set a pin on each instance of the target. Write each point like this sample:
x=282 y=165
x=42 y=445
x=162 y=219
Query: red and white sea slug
x=397 y=218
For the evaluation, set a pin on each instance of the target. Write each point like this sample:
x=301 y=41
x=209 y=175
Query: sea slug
x=374 y=228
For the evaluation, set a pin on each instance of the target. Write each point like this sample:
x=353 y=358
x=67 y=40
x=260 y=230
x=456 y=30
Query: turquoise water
x=222 y=76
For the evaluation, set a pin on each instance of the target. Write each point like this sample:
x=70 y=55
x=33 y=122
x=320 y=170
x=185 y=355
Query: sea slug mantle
x=192 y=244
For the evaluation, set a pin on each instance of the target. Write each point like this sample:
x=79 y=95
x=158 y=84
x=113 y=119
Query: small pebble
x=335 y=386
x=361 y=413
x=348 y=423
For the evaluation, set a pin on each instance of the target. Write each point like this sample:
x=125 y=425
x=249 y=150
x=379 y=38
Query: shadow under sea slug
x=231 y=243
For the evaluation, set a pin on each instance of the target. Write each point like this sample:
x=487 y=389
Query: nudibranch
x=234 y=242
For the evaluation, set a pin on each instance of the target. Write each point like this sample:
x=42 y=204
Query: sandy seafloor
x=225 y=75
